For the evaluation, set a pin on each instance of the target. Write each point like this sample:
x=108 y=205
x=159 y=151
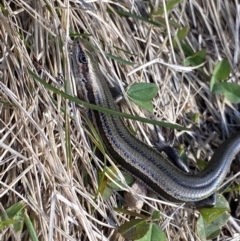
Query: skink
x=142 y=161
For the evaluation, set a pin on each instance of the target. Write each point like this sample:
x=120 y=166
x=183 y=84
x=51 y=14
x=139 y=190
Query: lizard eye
x=82 y=58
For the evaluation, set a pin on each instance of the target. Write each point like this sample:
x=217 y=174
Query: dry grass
x=36 y=166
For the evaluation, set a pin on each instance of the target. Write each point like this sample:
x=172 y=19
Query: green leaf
x=128 y=178
x=230 y=90
x=182 y=154
x=182 y=33
x=19 y=221
x=201 y=164
x=134 y=229
x=196 y=117
x=179 y=44
x=15 y=215
x=156 y=215
x=13 y=210
x=211 y=230
x=210 y=214
x=154 y=234
x=103 y=189
x=220 y=72
x=30 y=228
x=106 y=192
x=195 y=59
x=6 y=223
x=142 y=91
x=231 y=189
x=106 y=185
x=186 y=49
x=142 y=94
x=169 y=6
x=147 y=105
x=212 y=219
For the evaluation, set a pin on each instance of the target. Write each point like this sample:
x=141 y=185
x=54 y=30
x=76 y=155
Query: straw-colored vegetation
x=48 y=159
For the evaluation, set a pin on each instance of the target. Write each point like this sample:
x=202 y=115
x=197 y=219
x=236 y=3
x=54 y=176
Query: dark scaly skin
x=140 y=160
